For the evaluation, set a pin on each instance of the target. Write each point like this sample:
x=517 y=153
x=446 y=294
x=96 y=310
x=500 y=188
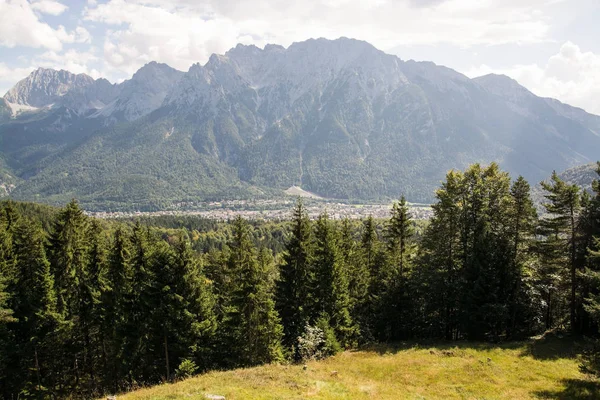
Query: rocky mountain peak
x=44 y=87
x=503 y=85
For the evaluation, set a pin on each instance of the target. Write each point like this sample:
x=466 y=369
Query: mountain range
x=338 y=118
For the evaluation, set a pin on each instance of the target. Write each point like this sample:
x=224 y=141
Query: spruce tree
x=252 y=320
x=439 y=273
x=35 y=309
x=357 y=271
x=371 y=261
x=68 y=251
x=6 y=271
x=295 y=287
x=560 y=229
x=591 y=276
x=6 y=313
x=114 y=288
x=183 y=318
x=398 y=233
x=331 y=282
x=393 y=302
x=138 y=346
x=522 y=224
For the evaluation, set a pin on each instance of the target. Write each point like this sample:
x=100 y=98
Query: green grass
x=537 y=369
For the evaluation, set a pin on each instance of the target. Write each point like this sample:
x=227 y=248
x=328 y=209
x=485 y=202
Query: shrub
x=186 y=369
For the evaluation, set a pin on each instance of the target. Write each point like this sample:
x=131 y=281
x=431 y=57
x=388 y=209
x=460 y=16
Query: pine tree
x=294 y=301
x=358 y=275
x=466 y=276
x=560 y=228
x=399 y=231
x=252 y=320
x=371 y=261
x=6 y=312
x=394 y=305
x=439 y=274
x=196 y=289
x=68 y=252
x=331 y=282
x=114 y=289
x=522 y=224
x=35 y=309
x=89 y=308
x=591 y=276
x=487 y=252
x=6 y=271
x=183 y=319
x=369 y=245
x=138 y=346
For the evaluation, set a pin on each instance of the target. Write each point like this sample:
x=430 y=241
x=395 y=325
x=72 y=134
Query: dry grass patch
x=526 y=370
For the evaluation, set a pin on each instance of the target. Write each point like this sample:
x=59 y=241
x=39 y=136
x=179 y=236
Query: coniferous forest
x=90 y=306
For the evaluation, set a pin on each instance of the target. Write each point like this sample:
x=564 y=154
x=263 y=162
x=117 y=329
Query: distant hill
x=581 y=175
x=337 y=118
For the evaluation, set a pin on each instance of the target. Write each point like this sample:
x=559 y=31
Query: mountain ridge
x=338 y=118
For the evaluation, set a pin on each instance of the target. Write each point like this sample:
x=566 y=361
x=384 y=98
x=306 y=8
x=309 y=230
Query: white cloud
x=79 y=35
x=8 y=76
x=21 y=26
x=185 y=31
x=49 y=7
x=571 y=76
x=71 y=60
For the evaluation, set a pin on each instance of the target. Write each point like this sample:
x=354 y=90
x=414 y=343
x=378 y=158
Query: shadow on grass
x=440 y=345
x=553 y=346
x=550 y=346
x=575 y=389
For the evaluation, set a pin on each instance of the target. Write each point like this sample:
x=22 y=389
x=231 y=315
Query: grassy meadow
x=545 y=368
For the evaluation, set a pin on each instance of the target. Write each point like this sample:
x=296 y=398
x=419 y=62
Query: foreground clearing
x=543 y=369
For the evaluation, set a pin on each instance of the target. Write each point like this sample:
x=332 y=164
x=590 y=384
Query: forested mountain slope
x=337 y=117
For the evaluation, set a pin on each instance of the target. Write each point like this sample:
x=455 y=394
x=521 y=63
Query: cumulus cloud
x=71 y=60
x=8 y=75
x=571 y=76
x=49 y=7
x=21 y=26
x=183 y=32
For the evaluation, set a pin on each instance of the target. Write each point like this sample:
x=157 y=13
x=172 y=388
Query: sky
x=549 y=46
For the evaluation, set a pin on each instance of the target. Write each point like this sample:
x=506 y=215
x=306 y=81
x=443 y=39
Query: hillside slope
x=580 y=175
x=338 y=118
x=527 y=370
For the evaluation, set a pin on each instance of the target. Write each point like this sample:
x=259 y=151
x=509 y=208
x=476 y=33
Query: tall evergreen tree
x=358 y=275
x=560 y=227
x=35 y=310
x=393 y=302
x=522 y=224
x=138 y=306
x=68 y=251
x=6 y=271
x=591 y=276
x=252 y=320
x=440 y=277
x=331 y=282
x=294 y=300
x=183 y=319
x=6 y=313
x=114 y=288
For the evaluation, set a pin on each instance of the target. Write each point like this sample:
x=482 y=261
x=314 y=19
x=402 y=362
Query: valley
x=270 y=210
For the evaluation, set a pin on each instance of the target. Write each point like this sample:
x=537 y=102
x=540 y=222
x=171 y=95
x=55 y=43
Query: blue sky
x=549 y=46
